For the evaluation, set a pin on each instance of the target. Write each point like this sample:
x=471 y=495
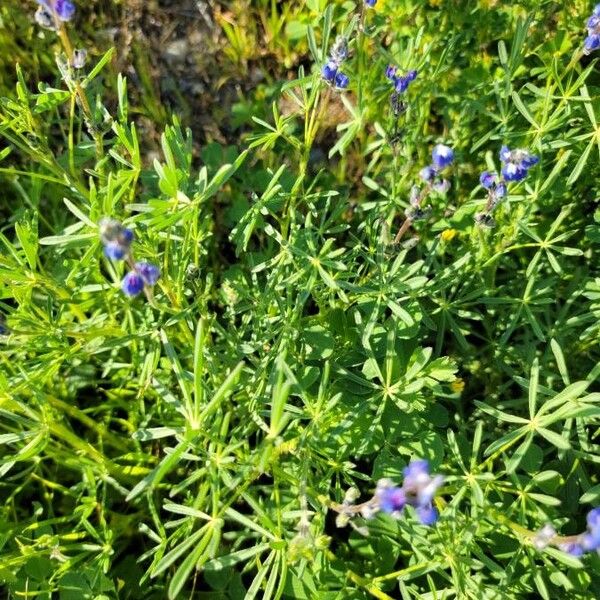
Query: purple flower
x=148 y=272
x=500 y=190
x=64 y=9
x=442 y=156
x=572 y=548
x=390 y=72
x=488 y=179
x=427 y=173
x=371 y=3
x=341 y=80
x=132 y=284
x=390 y=499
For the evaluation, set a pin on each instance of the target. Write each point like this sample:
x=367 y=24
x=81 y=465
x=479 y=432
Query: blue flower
x=341 y=80
x=115 y=251
x=592 y=41
x=64 y=9
x=504 y=153
x=488 y=179
x=500 y=190
x=390 y=72
x=420 y=487
x=329 y=71
x=390 y=499
x=148 y=272
x=132 y=284
x=513 y=172
x=572 y=548
x=371 y=3
x=516 y=163
x=427 y=173
x=401 y=84
x=442 y=156
x=593 y=517
x=428 y=515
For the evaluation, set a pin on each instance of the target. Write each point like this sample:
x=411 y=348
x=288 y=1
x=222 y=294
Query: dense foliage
x=321 y=324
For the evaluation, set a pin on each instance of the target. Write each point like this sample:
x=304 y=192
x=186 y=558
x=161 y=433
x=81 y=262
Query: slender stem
x=407 y=223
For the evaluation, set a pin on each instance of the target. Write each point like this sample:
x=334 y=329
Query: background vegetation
x=195 y=445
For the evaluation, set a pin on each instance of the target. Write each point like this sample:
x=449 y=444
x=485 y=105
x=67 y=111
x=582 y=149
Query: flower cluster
x=592 y=41
x=576 y=545
x=417 y=490
x=515 y=166
x=401 y=82
x=51 y=13
x=331 y=70
x=516 y=163
x=441 y=157
x=117 y=240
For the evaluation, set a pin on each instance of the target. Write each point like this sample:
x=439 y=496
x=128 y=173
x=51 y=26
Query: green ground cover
x=251 y=276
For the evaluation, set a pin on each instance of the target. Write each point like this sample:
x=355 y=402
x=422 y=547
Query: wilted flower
x=331 y=69
x=544 y=537
x=51 y=10
x=427 y=173
x=339 y=50
x=441 y=186
x=115 y=238
x=484 y=219
x=79 y=58
x=576 y=545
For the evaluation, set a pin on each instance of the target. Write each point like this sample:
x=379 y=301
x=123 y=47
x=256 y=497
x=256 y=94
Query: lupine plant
x=299 y=300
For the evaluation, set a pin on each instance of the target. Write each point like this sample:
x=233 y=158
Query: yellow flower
x=448 y=234
x=458 y=385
